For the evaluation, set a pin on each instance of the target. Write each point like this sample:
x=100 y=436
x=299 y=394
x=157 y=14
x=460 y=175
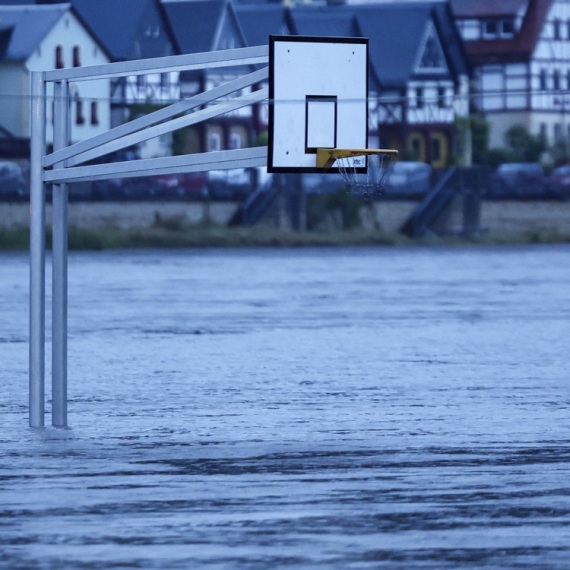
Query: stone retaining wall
x=500 y=217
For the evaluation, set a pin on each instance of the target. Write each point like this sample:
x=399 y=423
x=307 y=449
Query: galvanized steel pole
x=37 y=249
x=59 y=264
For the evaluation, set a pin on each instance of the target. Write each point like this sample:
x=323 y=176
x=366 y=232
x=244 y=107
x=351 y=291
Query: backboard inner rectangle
x=320 y=122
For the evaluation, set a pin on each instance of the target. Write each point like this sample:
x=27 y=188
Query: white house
x=44 y=37
x=520 y=52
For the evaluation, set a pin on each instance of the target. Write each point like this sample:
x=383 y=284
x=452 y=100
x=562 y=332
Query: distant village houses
x=38 y=38
x=520 y=54
x=431 y=63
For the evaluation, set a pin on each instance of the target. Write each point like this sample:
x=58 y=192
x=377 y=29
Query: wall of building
x=14 y=105
x=69 y=32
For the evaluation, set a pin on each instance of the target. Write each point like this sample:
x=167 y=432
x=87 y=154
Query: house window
x=140 y=81
x=490 y=28
x=235 y=141
x=432 y=56
x=419 y=98
x=558 y=132
x=435 y=150
x=556 y=80
x=214 y=142
x=76 y=56
x=59 y=63
x=556 y=29
x=441 y=97
x=164 y=80
x=94 y=113
x=79 y=118
x=568 y=80
x=543 y=131
x=543 y=80
x=507 y=28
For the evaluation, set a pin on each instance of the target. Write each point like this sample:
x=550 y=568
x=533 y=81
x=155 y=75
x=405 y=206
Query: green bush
x=322 y=205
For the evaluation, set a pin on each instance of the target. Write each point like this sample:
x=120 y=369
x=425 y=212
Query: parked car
x=190 y=186
x=124 y=188
x=517 y=180
x=234 y=184
x=558 y=183
x=12 y=184
x=409 y=179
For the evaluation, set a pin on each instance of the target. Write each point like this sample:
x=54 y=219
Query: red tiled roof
x=486 y=8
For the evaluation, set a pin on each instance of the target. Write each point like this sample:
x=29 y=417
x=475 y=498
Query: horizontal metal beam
x=80 y=150
x=219 y=160
x=172 y=125
x=190 y=62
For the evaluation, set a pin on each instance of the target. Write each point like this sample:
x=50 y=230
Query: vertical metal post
x=59 y=260
x=37 y=249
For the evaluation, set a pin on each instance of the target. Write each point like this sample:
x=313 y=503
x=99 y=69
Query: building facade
x=40 y=38
x=520 y=53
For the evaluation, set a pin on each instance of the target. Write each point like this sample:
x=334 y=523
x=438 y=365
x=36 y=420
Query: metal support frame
x=59 y=261
x=63 y=168
x=37 y=249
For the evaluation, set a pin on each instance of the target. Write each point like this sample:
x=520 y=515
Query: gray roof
x=129 y=29
x=483 y=8
x=394 y=31
x=259 y=21
x=325 y=21
x=194 y=23
x=395 y=34
x=30 y=25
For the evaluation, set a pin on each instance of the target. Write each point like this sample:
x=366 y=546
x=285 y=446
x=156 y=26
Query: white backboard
x=318 y=90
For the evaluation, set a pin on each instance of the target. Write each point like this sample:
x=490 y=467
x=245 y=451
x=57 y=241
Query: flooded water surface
x=313 y=408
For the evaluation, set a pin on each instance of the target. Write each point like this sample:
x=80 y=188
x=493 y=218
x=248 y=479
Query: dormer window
x=556 y=81
x=504 y=28
x=59 y=63
x=432 y=56
x=507 y=28
x=491 y=28
x=76 y=56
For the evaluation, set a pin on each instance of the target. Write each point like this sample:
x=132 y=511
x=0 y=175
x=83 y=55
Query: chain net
x=374 y=182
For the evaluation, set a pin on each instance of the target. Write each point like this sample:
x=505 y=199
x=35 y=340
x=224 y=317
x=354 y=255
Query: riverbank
x=115 y=225
x=210 y=235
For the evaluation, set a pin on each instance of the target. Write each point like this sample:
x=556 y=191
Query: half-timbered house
x=419 y=78
x=202 y=26
x=520 y=53
x=134 y=29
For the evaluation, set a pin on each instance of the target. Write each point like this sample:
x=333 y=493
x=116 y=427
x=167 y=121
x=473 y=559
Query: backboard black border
x=270 y=131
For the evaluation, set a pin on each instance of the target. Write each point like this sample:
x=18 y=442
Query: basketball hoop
x=350 y=160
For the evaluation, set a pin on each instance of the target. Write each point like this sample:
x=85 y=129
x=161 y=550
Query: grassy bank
x=173 y=234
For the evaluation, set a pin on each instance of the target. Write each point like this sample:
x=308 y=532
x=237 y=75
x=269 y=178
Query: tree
x=479 y=138
x=523 y=146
